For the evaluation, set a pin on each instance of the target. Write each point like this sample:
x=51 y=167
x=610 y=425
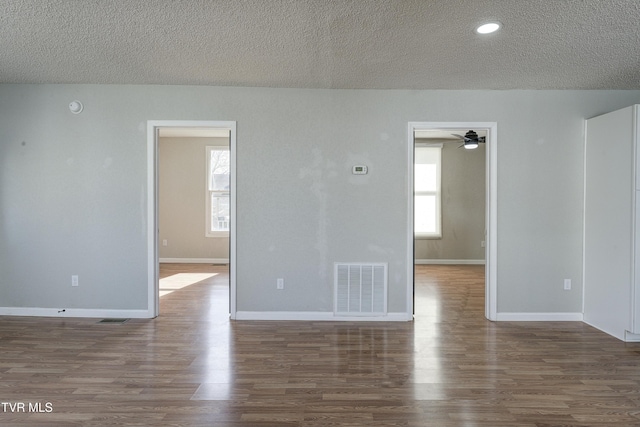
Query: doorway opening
x=206 y=152
x=427 y=229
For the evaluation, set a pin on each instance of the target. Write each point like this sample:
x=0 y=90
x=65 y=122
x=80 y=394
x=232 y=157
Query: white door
x=608 y=223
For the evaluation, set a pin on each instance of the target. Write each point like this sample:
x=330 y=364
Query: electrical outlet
x=280 y=284
x=74 y=280
x=567 y=284
x=482 y=244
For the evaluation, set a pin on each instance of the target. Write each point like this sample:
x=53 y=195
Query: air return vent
x=360 y=289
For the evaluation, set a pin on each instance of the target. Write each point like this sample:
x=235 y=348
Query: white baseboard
x=194 y=260
x=618 y=333
x=75 y=312
x=539 y=317
x=319 y=316
x=449 y=261
x=629 y=337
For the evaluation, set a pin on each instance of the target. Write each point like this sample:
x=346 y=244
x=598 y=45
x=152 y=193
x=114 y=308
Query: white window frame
x=437 y=192
x=210 y=193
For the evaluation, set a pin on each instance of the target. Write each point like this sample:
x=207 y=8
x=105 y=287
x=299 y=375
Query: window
x=427 y=166
x=218 y=172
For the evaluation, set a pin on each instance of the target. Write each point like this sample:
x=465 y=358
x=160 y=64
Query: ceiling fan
x=470 y=139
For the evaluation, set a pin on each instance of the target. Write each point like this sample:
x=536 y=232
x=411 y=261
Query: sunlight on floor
x=182 y=280
x=428 y=307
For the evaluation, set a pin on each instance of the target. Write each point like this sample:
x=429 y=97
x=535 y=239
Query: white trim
x=584 y=211
x=194 y=260
x=491 y=206
x=539 y=317
x=629 y=337
x=75 y=312
x=232 y=230
x=633 y=285
x=411 y=238
x=152 y=206
x=153 y=274
x=318 y=316
x=616 y=333
x=449 y=262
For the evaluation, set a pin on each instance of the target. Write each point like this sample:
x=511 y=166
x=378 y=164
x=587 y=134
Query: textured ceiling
x=378 y=44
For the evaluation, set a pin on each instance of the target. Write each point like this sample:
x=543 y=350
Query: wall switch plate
x=280 y=284
x=74 y=280
x=164 y=242
x=567 y=284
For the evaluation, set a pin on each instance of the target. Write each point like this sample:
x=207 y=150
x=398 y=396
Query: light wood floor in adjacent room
x=194 y=367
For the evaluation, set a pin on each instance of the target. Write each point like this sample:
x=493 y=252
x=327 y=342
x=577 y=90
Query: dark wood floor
x=194 y=367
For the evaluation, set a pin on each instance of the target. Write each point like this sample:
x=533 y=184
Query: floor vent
x=360 y=289
x=113 y=320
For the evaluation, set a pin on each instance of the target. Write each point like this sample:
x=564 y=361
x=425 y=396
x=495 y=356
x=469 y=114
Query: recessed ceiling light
x=488 y=28
x=75 y=107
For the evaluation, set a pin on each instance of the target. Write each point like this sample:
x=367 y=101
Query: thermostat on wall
x=360 y=170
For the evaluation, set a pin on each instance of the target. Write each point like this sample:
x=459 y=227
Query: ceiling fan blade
x=459 y=136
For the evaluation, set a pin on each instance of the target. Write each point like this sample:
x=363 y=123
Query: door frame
x=153 y=127
x=491 y=208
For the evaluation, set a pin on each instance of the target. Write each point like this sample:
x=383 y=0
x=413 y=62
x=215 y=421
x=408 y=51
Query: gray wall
x=182 y=171
x=73 y=189
x=463 y=207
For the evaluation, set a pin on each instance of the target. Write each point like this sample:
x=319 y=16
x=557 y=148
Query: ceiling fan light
x=488 y=28
x=470 y=145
